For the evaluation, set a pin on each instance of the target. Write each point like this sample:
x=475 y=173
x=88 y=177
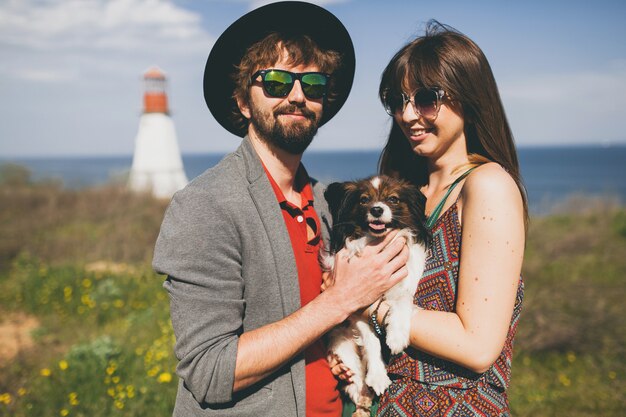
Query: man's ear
x=244 y=108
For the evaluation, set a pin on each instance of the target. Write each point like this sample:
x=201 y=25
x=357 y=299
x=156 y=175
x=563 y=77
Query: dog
x=363 y=211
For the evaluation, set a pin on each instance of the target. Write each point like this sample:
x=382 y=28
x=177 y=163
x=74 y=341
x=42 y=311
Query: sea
x=554 y=177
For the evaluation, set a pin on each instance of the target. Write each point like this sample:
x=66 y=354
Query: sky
x=71 y=70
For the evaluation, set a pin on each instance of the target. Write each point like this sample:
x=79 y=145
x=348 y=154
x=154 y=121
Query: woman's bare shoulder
x=490 y=180
x=491 y=188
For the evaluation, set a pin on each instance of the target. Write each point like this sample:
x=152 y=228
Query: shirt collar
x=302 y=185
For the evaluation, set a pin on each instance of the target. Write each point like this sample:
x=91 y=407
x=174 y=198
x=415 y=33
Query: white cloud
x=589 y=85
x=569 y=107
x=55 y=41
x=54 y=76
x=115 y=24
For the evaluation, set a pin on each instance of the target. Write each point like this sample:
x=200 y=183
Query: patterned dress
x=424 y=385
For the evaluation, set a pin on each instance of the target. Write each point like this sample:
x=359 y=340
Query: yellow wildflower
x=119 y=405
x=63 y=412
x=110 y=369
x=565 y=380
x=21 y=392
x=63 y=365
x=115 y=379
x=6 y=398
x=111 y=392
x=45 y=372
x=571 y=357
x=73 y=398
x=165 y=377
x=67 y=294
x=154 y=370
x=86 y=283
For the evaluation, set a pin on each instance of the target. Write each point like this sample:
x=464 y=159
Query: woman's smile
x=419 y=134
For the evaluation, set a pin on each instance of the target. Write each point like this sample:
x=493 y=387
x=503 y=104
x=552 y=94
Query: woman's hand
x=338 y=369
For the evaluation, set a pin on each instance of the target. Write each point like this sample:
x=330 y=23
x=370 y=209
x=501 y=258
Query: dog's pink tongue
x=377 y=226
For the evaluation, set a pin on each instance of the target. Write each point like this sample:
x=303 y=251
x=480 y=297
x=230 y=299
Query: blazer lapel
x=265 y=200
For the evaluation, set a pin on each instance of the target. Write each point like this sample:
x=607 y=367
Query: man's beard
x=293 y=137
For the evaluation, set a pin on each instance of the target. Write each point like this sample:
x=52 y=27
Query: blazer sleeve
x=199 y=249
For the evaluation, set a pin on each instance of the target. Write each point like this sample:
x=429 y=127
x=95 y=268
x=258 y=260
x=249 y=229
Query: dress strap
x=430 y=221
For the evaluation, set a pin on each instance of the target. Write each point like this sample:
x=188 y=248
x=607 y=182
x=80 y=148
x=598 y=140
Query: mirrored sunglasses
x=278 y=83
x=425 y=101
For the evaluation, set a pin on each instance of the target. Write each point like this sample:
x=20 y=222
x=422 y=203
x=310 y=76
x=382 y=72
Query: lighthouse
x=157 y=165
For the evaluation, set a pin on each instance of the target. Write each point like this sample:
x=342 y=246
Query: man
x=239 y=244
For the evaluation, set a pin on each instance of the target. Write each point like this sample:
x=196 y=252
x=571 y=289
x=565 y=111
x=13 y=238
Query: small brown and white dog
x=362 y=212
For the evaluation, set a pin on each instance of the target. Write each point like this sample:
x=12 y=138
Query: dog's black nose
x=376 y=211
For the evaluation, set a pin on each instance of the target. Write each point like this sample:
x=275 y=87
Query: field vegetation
x=85 y=328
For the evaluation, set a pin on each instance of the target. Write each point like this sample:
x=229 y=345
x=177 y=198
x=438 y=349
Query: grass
x=79 y=263
x=571 y=343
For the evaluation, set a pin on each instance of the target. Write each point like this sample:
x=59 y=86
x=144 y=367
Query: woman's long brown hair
x=446 y=58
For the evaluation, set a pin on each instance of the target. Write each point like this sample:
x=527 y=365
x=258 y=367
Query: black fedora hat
x=291 y=17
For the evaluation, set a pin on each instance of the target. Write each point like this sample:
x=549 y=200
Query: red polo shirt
x=322 y=396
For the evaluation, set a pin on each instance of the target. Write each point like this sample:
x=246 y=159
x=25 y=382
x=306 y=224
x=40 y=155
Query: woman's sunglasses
x=425 y=101
x=278 y=83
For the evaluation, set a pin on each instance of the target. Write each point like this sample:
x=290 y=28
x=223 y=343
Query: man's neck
x=281 y=165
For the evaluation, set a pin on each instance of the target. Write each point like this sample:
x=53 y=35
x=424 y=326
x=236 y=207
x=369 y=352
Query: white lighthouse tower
x=157 y=165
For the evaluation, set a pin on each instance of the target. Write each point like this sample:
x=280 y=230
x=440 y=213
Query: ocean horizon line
x=4 y=159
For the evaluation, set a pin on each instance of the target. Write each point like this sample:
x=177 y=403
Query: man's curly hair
x=301 y=49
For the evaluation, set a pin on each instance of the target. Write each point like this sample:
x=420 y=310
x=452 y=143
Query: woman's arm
x=491 y=259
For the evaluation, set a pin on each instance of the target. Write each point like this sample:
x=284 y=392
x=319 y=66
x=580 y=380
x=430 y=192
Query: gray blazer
x=230 y=266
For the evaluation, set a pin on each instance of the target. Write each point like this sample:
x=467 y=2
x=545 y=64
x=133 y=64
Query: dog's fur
x=362 y=212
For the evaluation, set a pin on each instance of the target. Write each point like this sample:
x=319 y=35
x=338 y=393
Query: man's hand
x=359 y=281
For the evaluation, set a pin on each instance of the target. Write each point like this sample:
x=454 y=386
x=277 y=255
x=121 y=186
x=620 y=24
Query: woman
x=451 y=138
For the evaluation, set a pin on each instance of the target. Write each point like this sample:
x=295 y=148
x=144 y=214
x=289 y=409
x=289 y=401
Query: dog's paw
x=353 y=390
x=397 y=341
x=378 y=381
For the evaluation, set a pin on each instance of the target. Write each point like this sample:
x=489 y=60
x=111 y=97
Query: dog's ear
x=339 y=196
x=417 y=207
x=334 y=194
